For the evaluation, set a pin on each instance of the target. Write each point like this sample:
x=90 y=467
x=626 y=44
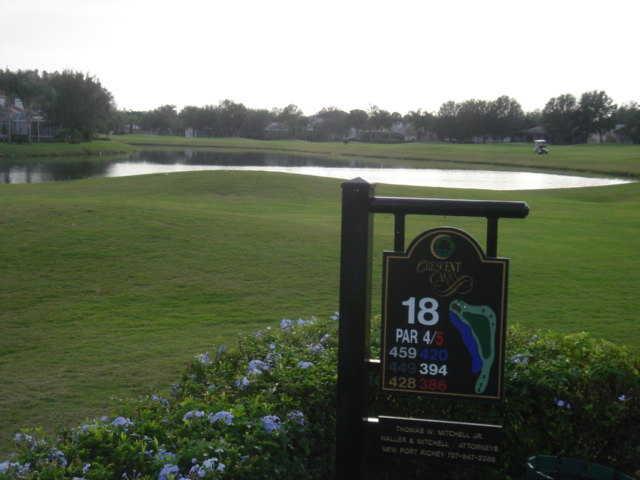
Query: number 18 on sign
x=444 y=310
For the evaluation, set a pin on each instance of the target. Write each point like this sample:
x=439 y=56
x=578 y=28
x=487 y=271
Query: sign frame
x=359 y=204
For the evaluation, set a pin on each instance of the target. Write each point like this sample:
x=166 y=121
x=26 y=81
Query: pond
x=378 y=171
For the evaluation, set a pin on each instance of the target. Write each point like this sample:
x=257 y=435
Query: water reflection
x=146 y=162
x=52 y=170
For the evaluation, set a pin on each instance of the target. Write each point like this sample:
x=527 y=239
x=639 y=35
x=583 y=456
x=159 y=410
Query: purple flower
x=272 y=346
x=316 y=348
x=121 y=422
x=272 y=358
x=304 y=365
x=325 y=338
x=162 y=401
x=302 y=323
x=163 y=456
x=286 y=324
x=520 y=359
x=32 y=442
x=624 y=398
x=15 y=467
x=296 y=416
x=335 y=316
x=168 y=472
x=221 y=417
x=58 y=457
x=562 y=403
x=208 y=465
x=242 y=383
x=256 y=367
x=271 y=423
x=203 y=358
x=193 y=414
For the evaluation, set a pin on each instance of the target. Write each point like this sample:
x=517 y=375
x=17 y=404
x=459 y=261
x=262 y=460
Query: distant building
x=615 y=135
x=18 y=123
x=405 y=129
x=276 y=131
x=380 y=136
x=536 y=133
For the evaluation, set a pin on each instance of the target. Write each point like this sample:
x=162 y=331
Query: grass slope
x=616 y=159
x=96 y=147
x=109 y=286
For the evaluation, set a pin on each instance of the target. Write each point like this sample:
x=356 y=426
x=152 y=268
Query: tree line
x=78 y=102
x=75 y=101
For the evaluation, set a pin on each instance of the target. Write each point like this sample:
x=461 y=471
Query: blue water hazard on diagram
x=476 y=325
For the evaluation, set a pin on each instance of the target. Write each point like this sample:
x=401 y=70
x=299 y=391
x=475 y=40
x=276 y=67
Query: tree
x=333 y=124
x=379 y=119
x=293 y=118
x=505 y=117
x=422 y=122
x=79 y=103
x=123 y=121
x=29 y=85
x=255 y=123
x=447 y=125
x=472 y=119
x=560 y=118
x=629 y=117
x=162 y=120
x=596 y=113
x=358 y=119
x=232 y=116
x=532 y=119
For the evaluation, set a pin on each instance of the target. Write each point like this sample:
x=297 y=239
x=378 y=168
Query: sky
x=400 y=55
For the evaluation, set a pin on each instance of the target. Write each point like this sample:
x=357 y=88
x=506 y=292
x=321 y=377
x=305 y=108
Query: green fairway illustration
x=477 y=327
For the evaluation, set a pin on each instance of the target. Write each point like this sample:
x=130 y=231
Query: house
x=18 y=123
x=405 y=129
x=615 y=135
x=276 y=130
x=380 y=136
x=535 y=133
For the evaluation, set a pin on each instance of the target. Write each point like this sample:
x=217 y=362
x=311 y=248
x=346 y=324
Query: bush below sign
x=265 y=409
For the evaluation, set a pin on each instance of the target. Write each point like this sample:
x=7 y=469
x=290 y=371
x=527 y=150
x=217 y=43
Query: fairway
x=109 y=286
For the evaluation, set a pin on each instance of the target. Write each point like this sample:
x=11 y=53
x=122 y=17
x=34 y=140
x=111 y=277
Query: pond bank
x=620 y=160
x=96 y=147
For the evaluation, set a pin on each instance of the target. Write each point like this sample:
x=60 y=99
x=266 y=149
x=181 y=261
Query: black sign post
x=473 y=326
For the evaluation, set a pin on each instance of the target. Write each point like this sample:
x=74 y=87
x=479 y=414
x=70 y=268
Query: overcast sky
x=399 y=55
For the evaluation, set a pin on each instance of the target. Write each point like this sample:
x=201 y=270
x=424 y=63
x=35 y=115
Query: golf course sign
x=444 y=306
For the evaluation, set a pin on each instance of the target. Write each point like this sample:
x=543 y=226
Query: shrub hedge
x=265 y=409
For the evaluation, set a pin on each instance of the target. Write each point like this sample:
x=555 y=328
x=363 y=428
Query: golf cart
x=540 y=147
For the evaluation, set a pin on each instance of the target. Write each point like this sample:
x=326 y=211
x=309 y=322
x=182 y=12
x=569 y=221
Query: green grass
x=612 y=159
x=109 y=286
x=96 y=147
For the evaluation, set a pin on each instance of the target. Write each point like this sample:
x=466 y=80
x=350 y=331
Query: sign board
x=436 y=440
x=443 y=313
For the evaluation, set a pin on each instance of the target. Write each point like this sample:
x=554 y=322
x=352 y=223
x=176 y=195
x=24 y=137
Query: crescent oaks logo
x=444 y=275
x=443 y=246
